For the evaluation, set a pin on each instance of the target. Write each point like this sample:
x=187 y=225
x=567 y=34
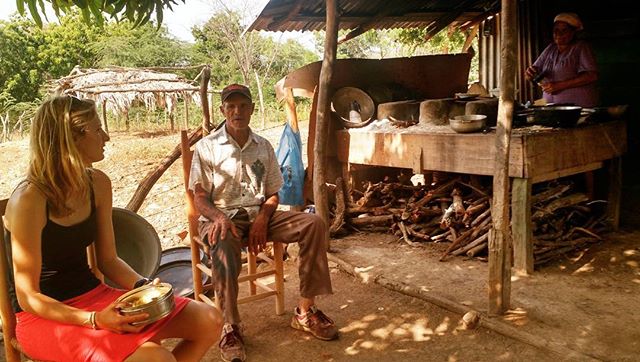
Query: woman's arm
x=26 y=218
x=582 y=79
x=108 y=261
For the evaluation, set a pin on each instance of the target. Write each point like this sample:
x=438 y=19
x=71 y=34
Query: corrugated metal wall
x=529 y=47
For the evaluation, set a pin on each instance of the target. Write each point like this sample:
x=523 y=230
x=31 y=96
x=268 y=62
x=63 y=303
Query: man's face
x=237 y=110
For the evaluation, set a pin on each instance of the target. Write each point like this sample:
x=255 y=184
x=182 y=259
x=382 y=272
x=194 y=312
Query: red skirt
x=48 y=340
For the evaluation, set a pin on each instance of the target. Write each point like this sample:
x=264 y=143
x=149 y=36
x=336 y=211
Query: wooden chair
x=252 y=276
x=12 y=348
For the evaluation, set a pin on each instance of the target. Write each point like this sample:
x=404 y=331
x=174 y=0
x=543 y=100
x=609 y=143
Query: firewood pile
x=457 y=211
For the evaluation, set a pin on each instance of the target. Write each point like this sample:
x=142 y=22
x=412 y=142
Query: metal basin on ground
x=137 y=242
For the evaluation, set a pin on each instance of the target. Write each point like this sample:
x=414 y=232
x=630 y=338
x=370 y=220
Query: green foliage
x=144 y=46
x=236 y=56
x=138 y=12
x=20 y=44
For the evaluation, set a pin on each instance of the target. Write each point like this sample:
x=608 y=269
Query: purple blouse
x=578 y=58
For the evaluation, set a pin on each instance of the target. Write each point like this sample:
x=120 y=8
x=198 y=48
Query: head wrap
x=570 y=18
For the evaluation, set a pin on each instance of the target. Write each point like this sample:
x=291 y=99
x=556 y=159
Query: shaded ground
x=588 y=301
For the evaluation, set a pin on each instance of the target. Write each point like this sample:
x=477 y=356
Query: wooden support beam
x=521 y=225
x=204 y=99
x=323 y=115
x=499 y=239
x=104 y=116
x=290 y=106
x=615 y=191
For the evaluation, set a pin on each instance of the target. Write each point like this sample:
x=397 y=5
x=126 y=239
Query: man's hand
x=220 y=225
x=258 y=234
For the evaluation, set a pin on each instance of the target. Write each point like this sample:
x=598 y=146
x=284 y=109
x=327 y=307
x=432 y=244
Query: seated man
x=235 y=178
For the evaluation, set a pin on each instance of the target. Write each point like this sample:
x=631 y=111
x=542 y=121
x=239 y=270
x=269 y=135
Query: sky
x=193 y=12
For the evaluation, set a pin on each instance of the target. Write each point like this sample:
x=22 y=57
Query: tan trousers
x=308 y=230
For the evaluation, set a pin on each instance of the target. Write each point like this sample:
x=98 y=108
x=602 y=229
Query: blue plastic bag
x=289 y=154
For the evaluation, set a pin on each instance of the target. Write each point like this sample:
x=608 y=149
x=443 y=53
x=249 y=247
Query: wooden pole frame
x=500 y=236
x=323 y=116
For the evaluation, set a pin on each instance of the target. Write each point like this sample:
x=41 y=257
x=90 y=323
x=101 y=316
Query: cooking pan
x=553 y=116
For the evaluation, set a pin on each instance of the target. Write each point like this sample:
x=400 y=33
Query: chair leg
x=278 y=254
x=251 y=269
x=197 y=280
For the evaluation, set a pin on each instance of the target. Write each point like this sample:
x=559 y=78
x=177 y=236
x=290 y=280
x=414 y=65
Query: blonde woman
x=64 y=313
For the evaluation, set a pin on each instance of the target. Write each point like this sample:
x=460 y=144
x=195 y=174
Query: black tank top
x=65 y=272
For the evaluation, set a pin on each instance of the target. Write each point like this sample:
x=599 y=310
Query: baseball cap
x=235 y=89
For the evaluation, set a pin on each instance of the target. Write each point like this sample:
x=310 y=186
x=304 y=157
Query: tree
x=138 y=12
x=20 y=44
x=145 y=46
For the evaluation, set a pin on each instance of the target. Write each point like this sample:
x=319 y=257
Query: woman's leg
x=199 y=326
x=151 y=351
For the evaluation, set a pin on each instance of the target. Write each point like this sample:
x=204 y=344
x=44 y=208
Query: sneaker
x=316 y=323
x=231 y=344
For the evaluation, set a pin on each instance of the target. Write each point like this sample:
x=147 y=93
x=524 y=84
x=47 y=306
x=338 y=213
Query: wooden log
x=150 y=179
x=562 y=202
x=521 y=226
x=338 y=219
x=475 y=250
x=434 y=193
x=372 y=220
x=323 y=114
x=551 y=193
x=483 y=238
x=457 y=204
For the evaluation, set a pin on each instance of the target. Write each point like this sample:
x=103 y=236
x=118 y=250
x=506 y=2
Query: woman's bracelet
x=141 y=282
x=91 y=320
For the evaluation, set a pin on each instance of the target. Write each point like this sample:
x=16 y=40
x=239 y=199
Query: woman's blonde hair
x=56 y=167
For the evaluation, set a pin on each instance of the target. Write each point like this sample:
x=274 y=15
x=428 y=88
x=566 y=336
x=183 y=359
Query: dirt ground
x=587 y=301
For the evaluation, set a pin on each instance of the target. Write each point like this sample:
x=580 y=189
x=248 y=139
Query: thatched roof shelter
x=118 y=88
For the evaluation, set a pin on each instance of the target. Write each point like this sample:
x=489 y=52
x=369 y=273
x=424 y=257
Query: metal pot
x=155 y=300
x=556 y=116
x=468 y=123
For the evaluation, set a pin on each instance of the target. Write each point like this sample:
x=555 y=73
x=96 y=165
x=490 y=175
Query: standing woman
x=64 y=313
x=566 y=70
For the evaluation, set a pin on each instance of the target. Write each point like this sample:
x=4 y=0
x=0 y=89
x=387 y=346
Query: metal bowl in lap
x=155 y=300
x=468 y=123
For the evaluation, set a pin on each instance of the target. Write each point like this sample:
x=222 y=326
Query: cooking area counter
x=537 y=154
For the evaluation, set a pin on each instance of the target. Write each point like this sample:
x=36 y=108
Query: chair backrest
x=12 y=354
x=187 y=156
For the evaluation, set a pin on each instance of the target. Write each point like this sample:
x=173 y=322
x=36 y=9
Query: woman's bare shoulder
x=100 y=179
x=27 y=201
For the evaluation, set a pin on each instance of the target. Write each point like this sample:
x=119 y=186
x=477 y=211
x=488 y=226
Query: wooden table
x=537 y=154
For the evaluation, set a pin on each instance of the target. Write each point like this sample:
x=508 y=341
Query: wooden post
x=104 y=116
x=521 y=225
x=615 y=191
x=499 y=239
x=322 y=118
x=186 y=113
x=290 y=106
x=260 y=97
x=204 y=99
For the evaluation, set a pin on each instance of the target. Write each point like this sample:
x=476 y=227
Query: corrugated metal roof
x=305 y=15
